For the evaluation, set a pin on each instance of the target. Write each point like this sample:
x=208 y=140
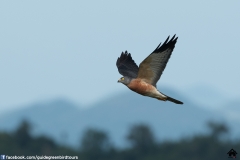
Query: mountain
x=65 y=122
x=207 y=96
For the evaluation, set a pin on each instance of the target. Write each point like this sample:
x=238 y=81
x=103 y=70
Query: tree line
x=96 y=145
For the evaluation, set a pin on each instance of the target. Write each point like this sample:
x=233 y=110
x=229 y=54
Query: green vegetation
x=95 y=145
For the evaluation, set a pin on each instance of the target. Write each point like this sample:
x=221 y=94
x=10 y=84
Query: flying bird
x=143 y=79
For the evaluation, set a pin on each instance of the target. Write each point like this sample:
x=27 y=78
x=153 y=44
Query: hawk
x=143 y=79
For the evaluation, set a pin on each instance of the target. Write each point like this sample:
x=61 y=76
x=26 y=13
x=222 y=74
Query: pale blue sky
x=51 y=49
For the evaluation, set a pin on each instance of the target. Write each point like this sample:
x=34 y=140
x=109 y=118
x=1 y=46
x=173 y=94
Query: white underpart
x=156 y=94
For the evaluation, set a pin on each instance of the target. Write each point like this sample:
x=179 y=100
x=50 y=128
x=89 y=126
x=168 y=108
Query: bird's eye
x=122 y=78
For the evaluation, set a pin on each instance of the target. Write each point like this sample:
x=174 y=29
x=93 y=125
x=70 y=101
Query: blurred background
x=58 y=79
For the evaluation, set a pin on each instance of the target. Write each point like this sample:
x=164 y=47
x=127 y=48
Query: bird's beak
x=118 y=80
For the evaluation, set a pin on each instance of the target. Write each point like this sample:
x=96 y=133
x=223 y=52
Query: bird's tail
x=174 y=100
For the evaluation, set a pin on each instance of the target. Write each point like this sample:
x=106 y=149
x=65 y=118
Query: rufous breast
x=141 y=87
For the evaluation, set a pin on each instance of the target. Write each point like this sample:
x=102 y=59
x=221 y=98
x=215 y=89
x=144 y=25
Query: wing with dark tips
x=126 y=65
x=151 y=68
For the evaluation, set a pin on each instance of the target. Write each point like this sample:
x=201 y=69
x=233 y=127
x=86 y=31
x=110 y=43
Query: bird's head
x=125 y=80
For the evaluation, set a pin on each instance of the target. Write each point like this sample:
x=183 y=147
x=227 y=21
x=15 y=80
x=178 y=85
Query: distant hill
x=65 y=121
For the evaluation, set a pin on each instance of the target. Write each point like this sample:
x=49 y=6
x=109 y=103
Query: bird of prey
x=143 y=79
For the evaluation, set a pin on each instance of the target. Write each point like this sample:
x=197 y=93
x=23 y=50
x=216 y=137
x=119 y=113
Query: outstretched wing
x=151 y=68
x=126 y=65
